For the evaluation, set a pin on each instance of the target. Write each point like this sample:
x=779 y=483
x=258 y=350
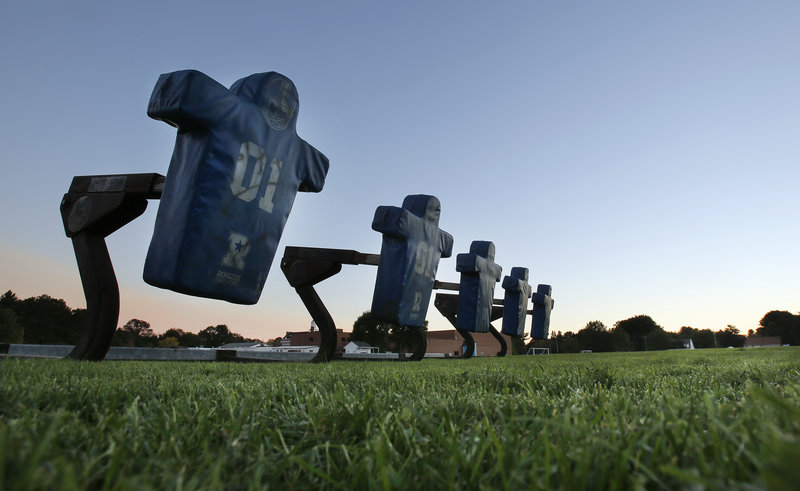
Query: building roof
x=241 y=345
x=362 y=344
x=763 y=341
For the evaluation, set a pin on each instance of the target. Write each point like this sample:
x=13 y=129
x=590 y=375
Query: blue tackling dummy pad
x=543 y=303
x=410 y=252
x=515 y=302
x=236 y=168
x=479 y=273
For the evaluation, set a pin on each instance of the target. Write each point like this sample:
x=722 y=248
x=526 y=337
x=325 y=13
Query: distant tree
x=172 y=332
x=168 y=342
x=701 y=338
x=620 y=341
x=47 y=320
x=185 y=339
x=781 y=323
x=234 y=338
x=274 y=342
x=705 y=338
x=566 y=342
x=210 y=337
x=687 y=332
x=659 y=339
x=215 y=336
x=44 y=319
x=10 y=330
x=135 y=332
x=238 y=338
x=637 y=328
x=369 y=329
x=730 y=337
x=595 y=336
x=9 y=299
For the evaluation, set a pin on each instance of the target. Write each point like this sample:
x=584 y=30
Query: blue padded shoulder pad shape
x=543 y=303
x=410 y=252
x=236 y=168
x=515 y=302
x=479 y=273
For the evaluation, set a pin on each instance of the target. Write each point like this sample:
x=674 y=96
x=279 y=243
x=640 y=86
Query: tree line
x=642 y=333
x=47 y=320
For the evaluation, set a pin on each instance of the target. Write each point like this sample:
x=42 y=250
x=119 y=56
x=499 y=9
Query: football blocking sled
x=410 y=252
x=479 y=273
x=474 y=309
x=236 y=168
x=512 y=308
x=515 y=302
x=543 y=303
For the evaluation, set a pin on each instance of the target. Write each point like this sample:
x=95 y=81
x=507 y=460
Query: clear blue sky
x=640 y=157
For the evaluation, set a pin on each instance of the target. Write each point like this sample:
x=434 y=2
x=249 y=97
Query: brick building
x=448 y=342
x=762 y=341
x=313 y=338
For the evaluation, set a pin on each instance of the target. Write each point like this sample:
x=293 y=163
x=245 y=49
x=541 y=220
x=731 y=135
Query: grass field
x=715 y=419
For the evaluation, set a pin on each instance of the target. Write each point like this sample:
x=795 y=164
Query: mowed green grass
x=722 y=419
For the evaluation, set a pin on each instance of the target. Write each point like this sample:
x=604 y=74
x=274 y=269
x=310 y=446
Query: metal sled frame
x=97 y=206
x=304 y=267
x=447 y=305
x=93 y=208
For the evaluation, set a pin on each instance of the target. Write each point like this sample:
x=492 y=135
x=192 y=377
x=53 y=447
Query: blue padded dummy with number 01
x=515 y=302
x=479 y=274
x=542 y=305
x=410 y=252
x=236 y=168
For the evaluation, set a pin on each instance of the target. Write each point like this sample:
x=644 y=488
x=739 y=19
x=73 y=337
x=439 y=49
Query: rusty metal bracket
x=93 y=208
